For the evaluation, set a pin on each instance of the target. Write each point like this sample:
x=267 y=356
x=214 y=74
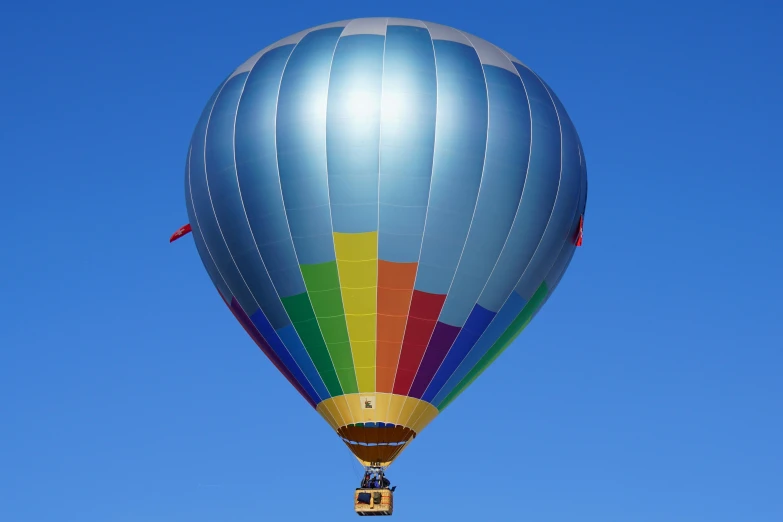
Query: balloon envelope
x=384 y=204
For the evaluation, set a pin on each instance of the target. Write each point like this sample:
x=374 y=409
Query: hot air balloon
x=384 y=204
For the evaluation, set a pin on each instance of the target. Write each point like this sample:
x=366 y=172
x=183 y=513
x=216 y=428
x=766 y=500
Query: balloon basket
x=373 y=502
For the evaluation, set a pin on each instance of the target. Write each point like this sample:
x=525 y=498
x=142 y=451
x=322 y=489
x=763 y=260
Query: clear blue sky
x=648 y=389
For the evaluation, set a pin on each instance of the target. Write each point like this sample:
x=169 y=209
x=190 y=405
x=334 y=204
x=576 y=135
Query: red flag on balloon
x=579 y=232
x=181 y=232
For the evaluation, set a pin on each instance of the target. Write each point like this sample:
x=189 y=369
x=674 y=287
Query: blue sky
x=648 y=389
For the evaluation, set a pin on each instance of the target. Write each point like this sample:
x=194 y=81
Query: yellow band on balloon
x=388 y=408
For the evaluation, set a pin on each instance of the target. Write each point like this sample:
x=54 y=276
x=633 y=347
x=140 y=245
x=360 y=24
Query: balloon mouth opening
x=376 y=444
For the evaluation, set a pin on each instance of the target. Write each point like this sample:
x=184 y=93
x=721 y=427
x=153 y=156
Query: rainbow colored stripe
x=384 y=204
